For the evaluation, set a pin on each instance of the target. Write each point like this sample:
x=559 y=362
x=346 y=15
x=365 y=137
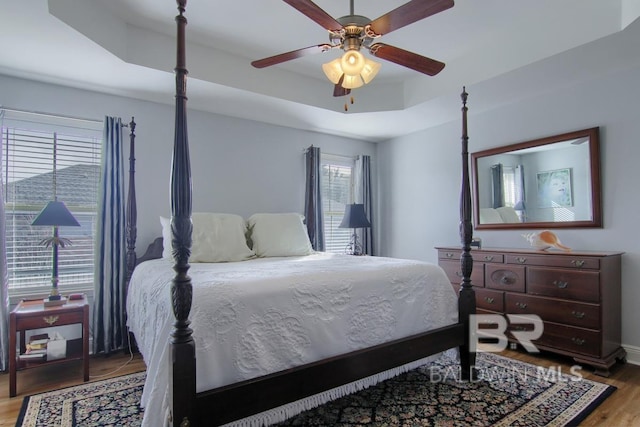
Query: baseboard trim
x=633 y=354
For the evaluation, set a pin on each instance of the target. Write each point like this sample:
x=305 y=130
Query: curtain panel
x=313 y=199
x=497 y=186
x=4 y=281
x=109 y=328
x=363 y=194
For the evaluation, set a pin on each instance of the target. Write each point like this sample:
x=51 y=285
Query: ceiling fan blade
x=408 y=13
x=288 y=56
x=407 y=59
x=313 y=12
x=338 y=90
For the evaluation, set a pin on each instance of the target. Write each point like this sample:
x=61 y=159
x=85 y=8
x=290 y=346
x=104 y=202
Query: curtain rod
x=64 y=116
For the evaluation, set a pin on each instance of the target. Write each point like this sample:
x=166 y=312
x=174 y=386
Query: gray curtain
x=313 y=199
x=364 y=195
x=497 y=187
x=109 y=329
x=4 y=282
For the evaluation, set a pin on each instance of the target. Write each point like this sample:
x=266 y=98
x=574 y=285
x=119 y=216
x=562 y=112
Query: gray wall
x=419 y=176
x=238 y=166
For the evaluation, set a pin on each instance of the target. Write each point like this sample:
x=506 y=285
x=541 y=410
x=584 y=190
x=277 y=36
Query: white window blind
x=27 y=166
x=337 y=192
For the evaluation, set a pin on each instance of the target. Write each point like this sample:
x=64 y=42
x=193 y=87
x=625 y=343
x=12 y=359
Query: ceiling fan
x=353 y=32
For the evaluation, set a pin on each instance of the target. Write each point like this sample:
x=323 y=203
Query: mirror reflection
x=546 y=183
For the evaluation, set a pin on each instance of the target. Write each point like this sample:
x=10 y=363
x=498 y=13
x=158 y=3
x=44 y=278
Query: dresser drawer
x=563 y=283
x=504 y=277
x=477 y=255
x=553 y=310
x=490 y=300
x=454 y=272
x=569 y=338
x=554 y=261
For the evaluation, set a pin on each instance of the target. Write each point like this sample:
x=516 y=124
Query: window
x=509 y=185
x=28 y=142
x=337 y=192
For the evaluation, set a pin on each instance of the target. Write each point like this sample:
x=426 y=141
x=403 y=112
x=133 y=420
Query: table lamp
x=55 y=214
x=354 y=217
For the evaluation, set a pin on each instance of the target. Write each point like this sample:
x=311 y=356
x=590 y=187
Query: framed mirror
x=551 y=182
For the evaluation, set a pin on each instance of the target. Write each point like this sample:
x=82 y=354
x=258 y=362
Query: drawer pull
x=577 y=262
x=489 y=300
x=448 y=254
x=521 y=305
x=506 y=280
x=560 y=284
x=578 y=314
x=50 y=320
x=577 y=341
x=521 y=260
x=488 y=257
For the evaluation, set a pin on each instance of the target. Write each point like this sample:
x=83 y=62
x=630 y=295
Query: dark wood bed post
x=132 y=210
x=467 y=298
x=182 y=375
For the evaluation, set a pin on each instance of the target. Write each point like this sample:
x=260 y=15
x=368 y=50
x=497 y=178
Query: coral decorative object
x=543 y=240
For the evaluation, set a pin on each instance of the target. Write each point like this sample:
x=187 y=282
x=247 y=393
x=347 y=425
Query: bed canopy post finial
x=183 y=362
x=132 y=210
x=466 y=298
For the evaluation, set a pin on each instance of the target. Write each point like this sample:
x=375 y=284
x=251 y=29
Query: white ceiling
x=127 y=47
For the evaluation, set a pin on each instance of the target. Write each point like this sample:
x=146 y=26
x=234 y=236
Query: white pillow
x=216 y=237
x=490 y=216
x=279 y=235
x=508 y=214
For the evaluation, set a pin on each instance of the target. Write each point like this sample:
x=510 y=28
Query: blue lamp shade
x=55 y=213
x=354 y=217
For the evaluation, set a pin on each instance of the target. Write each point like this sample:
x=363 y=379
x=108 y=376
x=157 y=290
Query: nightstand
x=32 y=314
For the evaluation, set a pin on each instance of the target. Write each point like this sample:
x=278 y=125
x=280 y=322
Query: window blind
x=27 y=157
x=337 y=192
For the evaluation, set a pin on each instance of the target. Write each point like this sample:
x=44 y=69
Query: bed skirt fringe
x=289 y=410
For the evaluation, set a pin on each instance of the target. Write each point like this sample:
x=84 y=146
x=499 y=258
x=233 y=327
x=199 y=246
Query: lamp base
x=49 y=302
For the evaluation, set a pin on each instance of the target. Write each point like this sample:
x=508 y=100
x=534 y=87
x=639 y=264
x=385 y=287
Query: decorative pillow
x=216 y=237
x=279 y=235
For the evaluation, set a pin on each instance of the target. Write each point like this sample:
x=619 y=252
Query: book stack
x=36 y=349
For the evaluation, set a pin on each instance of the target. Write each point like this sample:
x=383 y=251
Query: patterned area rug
x=507 y=393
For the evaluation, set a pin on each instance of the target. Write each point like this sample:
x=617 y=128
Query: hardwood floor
x=620 y=409
x=52 y=377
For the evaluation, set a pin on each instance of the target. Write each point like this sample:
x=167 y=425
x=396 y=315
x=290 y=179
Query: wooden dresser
x=577 y=295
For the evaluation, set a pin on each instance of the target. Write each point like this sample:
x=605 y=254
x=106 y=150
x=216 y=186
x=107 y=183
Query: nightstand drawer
x=47 y=320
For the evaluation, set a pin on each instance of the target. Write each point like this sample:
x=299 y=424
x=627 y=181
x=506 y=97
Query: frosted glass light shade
x=370 y=70
x=352 y=62
x=352 y=82
x=333 y=70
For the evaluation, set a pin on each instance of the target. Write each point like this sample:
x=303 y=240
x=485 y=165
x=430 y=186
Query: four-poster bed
x=232 y=401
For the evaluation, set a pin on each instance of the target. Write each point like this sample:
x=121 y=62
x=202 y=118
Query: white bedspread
x=255 y=317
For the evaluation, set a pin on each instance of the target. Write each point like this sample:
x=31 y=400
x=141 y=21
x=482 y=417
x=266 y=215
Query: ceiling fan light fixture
x=352 y=62
x=352 y=82
x=333 y=70
x=370 y=70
